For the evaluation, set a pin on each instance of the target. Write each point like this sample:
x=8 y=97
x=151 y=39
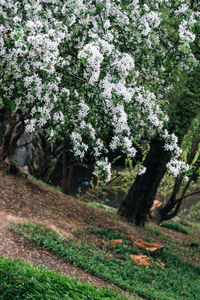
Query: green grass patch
x=176 y=226
x=179 y=280
x=155 y=230
x=101 y=206
x=18 y=280
x=104 y=233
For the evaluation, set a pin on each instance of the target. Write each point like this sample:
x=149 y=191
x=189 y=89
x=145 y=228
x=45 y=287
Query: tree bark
x=69 y=179
x=13 y=131
x=64 y=173
x=66 y=180
x=182 y=111
x=170 y=209
x=137 y=204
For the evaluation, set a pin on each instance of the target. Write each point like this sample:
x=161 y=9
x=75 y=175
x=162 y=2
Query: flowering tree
x=142 y=193
x=95 y=73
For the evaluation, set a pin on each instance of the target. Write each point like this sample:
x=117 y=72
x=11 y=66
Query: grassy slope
x=33 y=200
x=18 y=280
x=178 y=280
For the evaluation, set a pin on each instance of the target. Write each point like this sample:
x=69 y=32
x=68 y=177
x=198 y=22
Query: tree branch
x=188 y=195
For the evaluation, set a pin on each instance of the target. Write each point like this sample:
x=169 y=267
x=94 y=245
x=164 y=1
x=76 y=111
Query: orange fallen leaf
x=141 y=259
x=132 y=238
x=160 y=263
x=147 y=245
x=102 y=241
x=141 y=244
x=114 y=242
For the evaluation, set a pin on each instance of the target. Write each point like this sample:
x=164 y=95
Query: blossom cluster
x=89 y=70
x=176 y=166
x=103 y=169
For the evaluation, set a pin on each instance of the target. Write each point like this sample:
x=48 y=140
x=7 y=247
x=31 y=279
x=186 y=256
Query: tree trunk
x=66 y=180
x=69 y=179
x=170 y=209
x=143 y=191
x=64 y=173
x=13 y=131
x=137 y=204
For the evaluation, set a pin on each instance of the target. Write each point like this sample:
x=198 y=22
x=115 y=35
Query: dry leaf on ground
x=141 y=259
x=160 y=263
x=114 y=242
x=141 y=244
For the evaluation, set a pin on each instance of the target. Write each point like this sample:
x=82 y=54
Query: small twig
x=188 y=195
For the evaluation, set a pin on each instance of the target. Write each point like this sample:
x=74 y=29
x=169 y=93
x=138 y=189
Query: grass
x=18 y=280
x=155 y=231
x=104 y=233
x=178 y=280
x=176 y=226
x=101 y=206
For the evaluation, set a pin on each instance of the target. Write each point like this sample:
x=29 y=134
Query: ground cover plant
x=176 y=226
x=171 y=244
x=155 y=231
x=101 y=206
x=18 y=280
x=177 y=280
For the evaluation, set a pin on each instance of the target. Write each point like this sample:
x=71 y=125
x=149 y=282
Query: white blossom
x=103 y=169
x=141 y=170
x=82 y=74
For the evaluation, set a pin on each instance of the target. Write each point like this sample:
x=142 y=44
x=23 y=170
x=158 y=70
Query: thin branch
x=188 y=195
x=77 y=77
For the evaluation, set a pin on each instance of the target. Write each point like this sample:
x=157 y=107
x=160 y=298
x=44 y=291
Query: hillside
x=23 y=199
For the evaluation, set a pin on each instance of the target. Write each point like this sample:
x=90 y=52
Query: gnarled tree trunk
x=171 y=208
x=183 y=110
x=142 y=193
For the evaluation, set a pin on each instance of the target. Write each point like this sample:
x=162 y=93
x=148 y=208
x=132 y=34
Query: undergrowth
x=176 y=226
x=178 y=280
x=101 y=206
x=18 y=280
x=155 y=231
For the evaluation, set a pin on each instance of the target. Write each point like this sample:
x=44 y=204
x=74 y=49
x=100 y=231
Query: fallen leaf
x=114 y=242
x=132 y=238
x=160 y=263
x=141 y=259
x=141 y=244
